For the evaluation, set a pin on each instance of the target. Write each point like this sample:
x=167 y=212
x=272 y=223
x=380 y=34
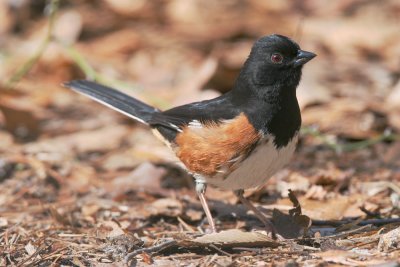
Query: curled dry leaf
x=294 y=224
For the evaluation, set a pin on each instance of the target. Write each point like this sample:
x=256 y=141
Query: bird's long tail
x=114 y=99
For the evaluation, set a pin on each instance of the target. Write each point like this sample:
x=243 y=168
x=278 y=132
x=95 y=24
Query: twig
x=377 y=222
x=349 y=232
x=365 y=244
x=265 y=251
x=40 y=249
x=185 y=225
x=54 y=254
x=155 y=248
x=220 y=250
x=25 y=68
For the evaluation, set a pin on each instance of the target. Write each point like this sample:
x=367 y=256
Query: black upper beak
x=303 y=57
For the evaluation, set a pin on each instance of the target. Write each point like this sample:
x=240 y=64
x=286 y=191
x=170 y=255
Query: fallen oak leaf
x=294 y=224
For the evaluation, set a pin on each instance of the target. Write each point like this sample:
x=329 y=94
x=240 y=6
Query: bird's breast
x=254 y=170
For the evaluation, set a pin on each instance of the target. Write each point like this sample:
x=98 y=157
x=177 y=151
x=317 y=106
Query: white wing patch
x=195 y=124
x=175 y=127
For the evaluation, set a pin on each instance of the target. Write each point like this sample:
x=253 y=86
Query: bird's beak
x=303 y=57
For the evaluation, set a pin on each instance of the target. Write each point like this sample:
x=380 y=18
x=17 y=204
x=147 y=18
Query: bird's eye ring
x=276 y=58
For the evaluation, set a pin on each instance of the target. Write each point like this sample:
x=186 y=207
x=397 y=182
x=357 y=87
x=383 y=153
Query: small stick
x=377 y=222
x=220 y=250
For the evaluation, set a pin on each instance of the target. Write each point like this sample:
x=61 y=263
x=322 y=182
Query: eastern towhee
x=239 y=139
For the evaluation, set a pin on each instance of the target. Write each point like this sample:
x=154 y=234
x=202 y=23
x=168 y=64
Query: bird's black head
x=276 y=60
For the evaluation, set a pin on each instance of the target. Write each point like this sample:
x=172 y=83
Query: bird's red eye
x=276 y=58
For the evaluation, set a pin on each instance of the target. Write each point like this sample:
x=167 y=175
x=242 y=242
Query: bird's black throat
x=272 y=109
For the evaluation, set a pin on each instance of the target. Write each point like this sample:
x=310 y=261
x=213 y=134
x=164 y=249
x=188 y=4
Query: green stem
x=81 y=62
x=25 y=68
x=92 y=74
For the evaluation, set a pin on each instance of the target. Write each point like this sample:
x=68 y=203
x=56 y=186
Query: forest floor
x=81 y=185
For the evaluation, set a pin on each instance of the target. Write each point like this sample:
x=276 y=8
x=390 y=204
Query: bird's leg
x=268 y=224
x=201 y=189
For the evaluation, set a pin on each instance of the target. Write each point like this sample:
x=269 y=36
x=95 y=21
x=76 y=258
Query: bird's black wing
x=170 y=122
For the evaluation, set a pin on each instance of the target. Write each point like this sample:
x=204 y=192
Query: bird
x=237 y=140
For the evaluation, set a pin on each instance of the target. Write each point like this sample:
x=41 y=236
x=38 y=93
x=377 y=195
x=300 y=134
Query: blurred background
x=67 y=159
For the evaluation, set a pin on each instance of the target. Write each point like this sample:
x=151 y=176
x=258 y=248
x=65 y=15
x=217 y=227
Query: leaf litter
x=81 y=185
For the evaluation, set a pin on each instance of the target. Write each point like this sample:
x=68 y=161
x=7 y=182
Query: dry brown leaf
x=294 y=224
x=236 y=238
x=330 y=209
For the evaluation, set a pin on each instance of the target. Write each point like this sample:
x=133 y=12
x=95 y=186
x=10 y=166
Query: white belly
x=258 y=167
